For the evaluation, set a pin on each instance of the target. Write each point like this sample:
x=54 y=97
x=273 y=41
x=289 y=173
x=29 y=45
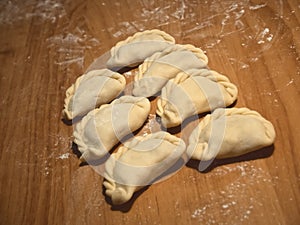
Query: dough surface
x=104 y=127
x=135 y=49
x=159 y=68
x=229 y=133
x=139 y=162
x=91 y=90
x=193 y=92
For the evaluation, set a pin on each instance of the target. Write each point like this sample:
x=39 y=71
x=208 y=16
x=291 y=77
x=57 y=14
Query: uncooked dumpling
x=137 y=48
x=139 y=163
x=230 y=132
x=91 y=90
x=193 y=92
x=158 y=69
x=104 y=127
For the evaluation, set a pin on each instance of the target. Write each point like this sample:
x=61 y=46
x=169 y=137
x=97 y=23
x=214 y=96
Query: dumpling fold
x=101 y=129
x=139 y=163
x=159 y=68
x=91 y=90
x=135 y=49
x=193 y=92
x=228 y=133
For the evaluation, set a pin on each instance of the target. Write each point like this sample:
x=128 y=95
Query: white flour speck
x=64 y=156
x=260 y=42
x=198 y=212
x=290 y=82
x=255 y=7
x=225 y=206
x=270 y=37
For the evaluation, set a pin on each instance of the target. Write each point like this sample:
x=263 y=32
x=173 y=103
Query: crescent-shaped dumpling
x=135 y=49
x=91 y=90
x=104 y=127
x=158 y=69
x=229 y=133
x=139 y=163
x=193 y=92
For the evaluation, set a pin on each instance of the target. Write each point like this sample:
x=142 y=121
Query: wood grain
x=46 y=45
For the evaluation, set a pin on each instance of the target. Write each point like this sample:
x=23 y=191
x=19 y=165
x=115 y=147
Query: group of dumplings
x=185 y=86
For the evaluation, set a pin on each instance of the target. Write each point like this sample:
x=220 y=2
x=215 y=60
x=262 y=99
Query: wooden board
x=46 y=45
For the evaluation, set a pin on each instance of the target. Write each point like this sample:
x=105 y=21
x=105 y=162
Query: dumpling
x=137 y=48
x=228 y=133
x=193 y=92
x=104 y=127
x=158 y=69
x=139 y=163
x=91 y=90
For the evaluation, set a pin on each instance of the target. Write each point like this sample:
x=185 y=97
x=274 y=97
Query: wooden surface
x=45 y=45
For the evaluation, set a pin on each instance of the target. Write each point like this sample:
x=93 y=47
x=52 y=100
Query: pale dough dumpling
x=91 y=90
x=137 y=48
x=229 y=133
x=104 y=127
x=158 y=69
x=193 y=92
x=139 y=163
